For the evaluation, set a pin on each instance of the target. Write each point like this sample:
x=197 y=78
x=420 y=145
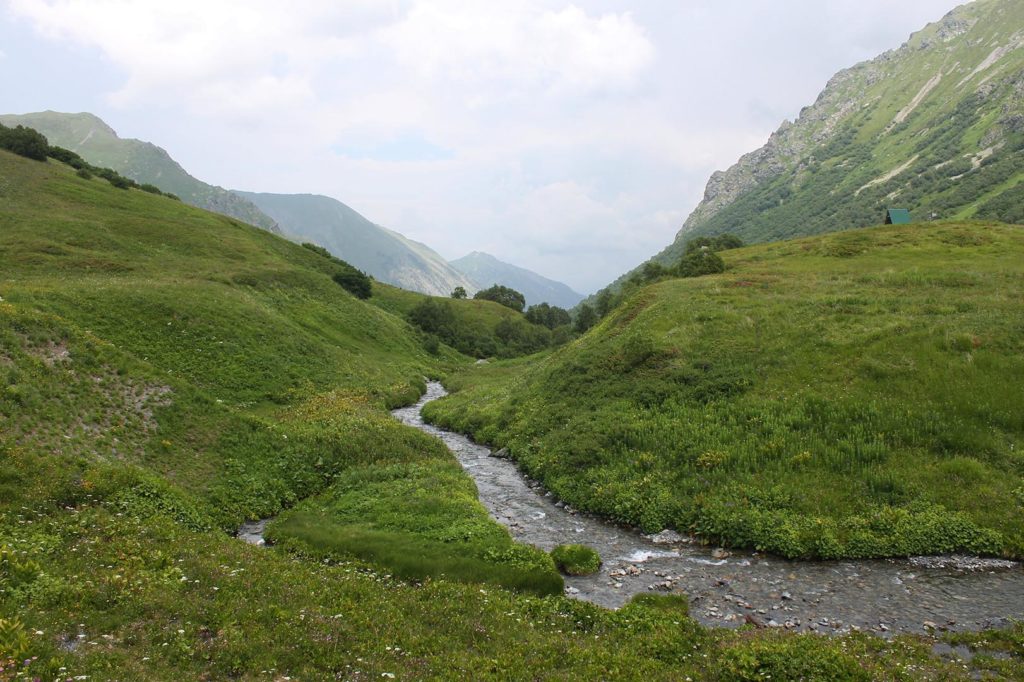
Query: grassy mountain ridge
x=485 y=270
x=378 y=251
x=934 y=126
x=141 y=161
x=856 y=394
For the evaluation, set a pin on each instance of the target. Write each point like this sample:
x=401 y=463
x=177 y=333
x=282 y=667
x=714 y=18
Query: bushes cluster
x=24 y=142
x=511 y=337
x=510 y=298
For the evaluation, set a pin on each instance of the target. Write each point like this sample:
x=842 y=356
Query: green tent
x=897 y=216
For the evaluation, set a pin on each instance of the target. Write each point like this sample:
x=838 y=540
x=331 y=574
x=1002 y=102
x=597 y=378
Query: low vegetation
x=855 y=395
x=576 y=559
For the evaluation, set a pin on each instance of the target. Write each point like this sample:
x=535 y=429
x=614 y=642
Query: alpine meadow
x=255 y=435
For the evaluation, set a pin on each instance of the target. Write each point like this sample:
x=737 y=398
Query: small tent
x=897 y=216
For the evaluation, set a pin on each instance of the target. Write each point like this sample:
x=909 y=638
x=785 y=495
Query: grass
x=854 y=395
x=576 y=559
x=129 y=445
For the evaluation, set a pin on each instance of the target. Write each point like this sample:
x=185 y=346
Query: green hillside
x=478 y=328
x=143 y=162
x=853 y=395
x=378 y=251
x=936 y=127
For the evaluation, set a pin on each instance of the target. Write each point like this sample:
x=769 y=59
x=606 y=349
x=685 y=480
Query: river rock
x=666 y=537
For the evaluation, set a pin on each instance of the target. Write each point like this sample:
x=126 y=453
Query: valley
x=259 y=436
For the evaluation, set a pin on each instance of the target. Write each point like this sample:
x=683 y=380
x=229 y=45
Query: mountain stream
x=730 y=588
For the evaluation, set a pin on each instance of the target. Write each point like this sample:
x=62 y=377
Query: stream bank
x=730 y=588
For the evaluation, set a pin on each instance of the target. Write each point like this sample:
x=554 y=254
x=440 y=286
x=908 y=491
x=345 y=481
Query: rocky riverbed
x=730 y=588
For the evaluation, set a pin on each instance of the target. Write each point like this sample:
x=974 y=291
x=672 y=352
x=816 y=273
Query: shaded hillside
x=936 y=126
x=376 y=250
x=855 y=394
x=141 y=161
x=485 y=270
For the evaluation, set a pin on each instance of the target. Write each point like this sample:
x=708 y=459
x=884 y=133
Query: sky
x=570 y=138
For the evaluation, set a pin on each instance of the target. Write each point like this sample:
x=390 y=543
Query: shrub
x=576 y=559
x=700 y=262
x=459 y=293
x=354 y=282
x=24 y=142
x=84 y=173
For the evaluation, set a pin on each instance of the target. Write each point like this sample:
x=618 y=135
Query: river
x=732 y=588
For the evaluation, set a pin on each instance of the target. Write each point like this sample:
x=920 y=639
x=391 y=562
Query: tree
x=548 y=315
x=585 y=318
x=510 y=298
x=459 y=293
x=605 y=303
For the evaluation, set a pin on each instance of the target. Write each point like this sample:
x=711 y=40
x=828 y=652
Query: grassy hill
x=934 y=126
x=857 y=394
x=141 y=161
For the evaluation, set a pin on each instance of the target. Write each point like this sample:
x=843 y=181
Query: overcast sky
x=572 y=138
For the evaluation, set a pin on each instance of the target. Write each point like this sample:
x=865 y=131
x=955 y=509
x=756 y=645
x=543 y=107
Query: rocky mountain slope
x=378 y=251
x=143 y=162
x=936 y=126
x=484 y=270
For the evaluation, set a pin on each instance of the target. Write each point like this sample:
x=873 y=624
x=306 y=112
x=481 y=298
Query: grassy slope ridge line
x=853 y=395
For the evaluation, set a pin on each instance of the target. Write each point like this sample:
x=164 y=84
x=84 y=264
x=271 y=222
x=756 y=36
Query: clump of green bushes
x=576 y=559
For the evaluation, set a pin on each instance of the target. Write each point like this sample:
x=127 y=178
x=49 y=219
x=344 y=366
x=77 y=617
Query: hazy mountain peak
x=486 y=270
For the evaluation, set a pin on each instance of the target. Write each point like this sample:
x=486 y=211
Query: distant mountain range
x=141 y=161
x=936 y=126
x=378 y=251
x=485 y=270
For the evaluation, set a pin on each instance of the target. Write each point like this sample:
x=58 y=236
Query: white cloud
x=520 y=45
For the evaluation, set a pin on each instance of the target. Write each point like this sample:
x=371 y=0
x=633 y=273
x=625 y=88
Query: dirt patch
x=51 y=353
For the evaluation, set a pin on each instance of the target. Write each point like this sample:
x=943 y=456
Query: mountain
x=485 y=270
x=378 y=251
x=936 y=126
x=97 y=143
